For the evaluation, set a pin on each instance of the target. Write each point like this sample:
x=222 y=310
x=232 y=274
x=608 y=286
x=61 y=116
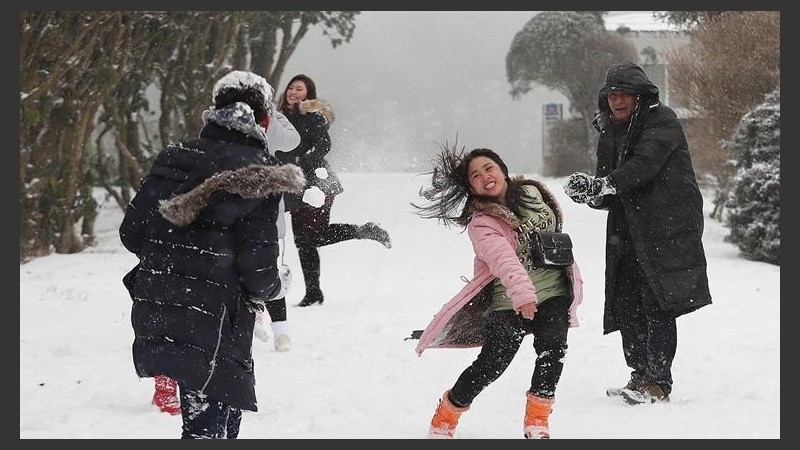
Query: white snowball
x=314 y=197
x=321 y=173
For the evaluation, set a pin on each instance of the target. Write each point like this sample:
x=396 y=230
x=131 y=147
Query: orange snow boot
x=166 y=395
x=445 y=419
x=537 y=411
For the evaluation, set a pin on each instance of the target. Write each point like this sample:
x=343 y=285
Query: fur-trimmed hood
x=239 y=117
x=253 y=181
x=319 y=106
x=495 y=209
x=503 y=213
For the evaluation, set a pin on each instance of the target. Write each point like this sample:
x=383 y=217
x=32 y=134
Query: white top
x=281 y=134
x=281 y=137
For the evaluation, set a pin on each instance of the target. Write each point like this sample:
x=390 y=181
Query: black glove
x=601 y=186
x=582 y=188
x=578 y=187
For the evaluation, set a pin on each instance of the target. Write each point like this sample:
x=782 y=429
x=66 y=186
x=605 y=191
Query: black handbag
x=550 y=249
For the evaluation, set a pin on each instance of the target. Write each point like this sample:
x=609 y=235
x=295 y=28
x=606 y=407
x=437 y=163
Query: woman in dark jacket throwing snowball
x=311 y=211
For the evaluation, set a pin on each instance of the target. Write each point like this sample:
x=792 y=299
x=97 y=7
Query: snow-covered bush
x=754 y=207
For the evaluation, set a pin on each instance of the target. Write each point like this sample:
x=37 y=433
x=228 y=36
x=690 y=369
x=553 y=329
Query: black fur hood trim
x=253 y=181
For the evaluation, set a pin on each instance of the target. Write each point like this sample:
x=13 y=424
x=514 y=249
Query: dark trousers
x=503 y=335
x=649 y=334
x=234 y=422
x=312 y=229
x=207 y=418
x=312 y=226
x=276 y=309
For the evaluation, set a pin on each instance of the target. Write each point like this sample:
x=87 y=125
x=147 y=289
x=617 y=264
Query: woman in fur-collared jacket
x=311 y=210
x=507 y=298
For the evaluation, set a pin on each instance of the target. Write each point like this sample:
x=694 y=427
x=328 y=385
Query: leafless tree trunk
x=83 y=102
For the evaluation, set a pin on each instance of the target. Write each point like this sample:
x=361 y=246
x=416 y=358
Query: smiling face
x=622 y=105
x=296 y=92
x=487 y=178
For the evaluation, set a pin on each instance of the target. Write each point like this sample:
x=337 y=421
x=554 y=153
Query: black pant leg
x=550 y=326
x=334 y=233
x=276 y=309
x=203 y=417
x=649 y=334
x=310 y=264
x=234 y=423
x=503 y=334
x=661 y=342
x=629 y=310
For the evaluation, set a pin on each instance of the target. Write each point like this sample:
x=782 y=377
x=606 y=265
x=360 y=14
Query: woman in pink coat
x=507 y=298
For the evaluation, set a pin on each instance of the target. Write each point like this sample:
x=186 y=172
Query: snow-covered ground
x=351 y=373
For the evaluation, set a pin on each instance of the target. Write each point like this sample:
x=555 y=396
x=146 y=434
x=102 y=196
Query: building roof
x=637 y=21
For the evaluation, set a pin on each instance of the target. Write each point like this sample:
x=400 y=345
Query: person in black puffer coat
x=203 y=225
x=311 y=212
x=655 y=262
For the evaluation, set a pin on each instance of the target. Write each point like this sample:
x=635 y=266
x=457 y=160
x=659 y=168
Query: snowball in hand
x=314 y=196
x=321 y=173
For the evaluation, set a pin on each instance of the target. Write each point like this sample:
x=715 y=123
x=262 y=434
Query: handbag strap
x=525 y=229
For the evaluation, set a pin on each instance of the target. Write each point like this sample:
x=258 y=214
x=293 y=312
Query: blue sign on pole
x=551 y=113
x=553 y=110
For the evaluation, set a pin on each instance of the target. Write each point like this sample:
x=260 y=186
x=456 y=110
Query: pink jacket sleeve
x=495 y=243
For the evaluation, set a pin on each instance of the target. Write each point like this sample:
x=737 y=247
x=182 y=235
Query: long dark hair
x=450 y=197
x=311 y=88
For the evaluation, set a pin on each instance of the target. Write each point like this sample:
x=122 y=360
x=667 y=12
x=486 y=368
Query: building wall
x=652 y=45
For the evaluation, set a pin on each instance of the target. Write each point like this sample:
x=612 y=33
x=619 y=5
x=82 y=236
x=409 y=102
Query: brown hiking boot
x=445 y=419
x=645 y=392
x=537 y=413
x=633 y=384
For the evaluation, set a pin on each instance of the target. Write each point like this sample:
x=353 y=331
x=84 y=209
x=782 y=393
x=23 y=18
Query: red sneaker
x=166 y=395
